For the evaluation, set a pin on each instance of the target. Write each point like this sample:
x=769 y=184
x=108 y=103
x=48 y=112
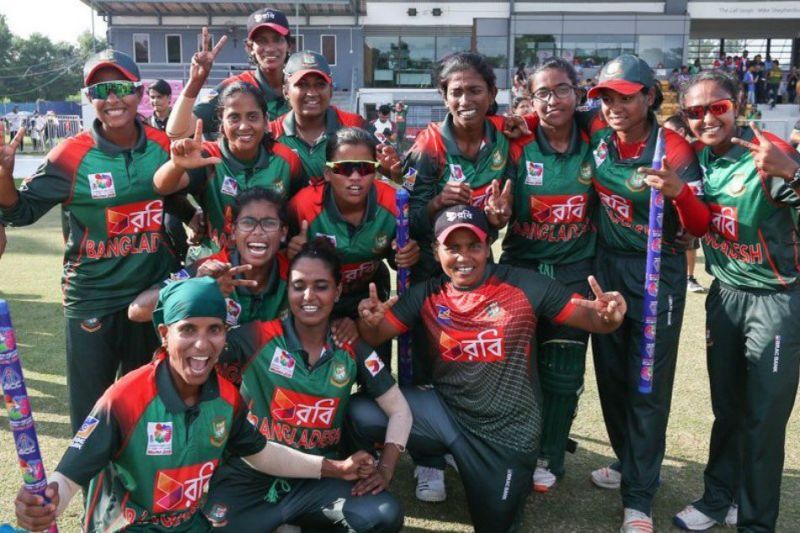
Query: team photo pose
x=552 y=230
x=170 y=421
x=244 y=156
x=297 y=382
x=358 y=215
x=312 y=120
x=623 y=137
x=269 y=42
x=485 y=407
x=115 y=245
x=753 y=347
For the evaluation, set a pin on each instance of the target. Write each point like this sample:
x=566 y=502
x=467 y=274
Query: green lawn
x=29 y=274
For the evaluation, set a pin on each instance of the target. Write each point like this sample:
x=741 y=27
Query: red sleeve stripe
x=68 y=156
x=266 y=331
x=395 y=322
x=212 y=148
x=230 y=393
x=567 y=310
x=157 y=136
x=288 y=155
x=306 y=204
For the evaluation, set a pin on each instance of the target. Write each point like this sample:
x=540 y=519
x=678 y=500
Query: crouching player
x=485 y=407
x=154 y=439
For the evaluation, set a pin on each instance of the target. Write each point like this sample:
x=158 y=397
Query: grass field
x=29 y=280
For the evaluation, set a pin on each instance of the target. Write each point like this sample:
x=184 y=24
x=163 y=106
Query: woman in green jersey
x=155 y=438
x=750 y=188
x=552 y=230
x=245 y=156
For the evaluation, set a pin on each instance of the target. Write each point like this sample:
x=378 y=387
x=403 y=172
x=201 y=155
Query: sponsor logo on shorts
x=374 y=364
x=177 y=489
x=137 y=217
x=101 y=185
x=559 y=209
x=86 y=429
x=485 y=346
x=303 y=410
x=159 y=438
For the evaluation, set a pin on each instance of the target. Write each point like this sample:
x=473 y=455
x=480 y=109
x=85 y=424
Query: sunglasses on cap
x=718 y=108
x=122 y=88
x=346 y=168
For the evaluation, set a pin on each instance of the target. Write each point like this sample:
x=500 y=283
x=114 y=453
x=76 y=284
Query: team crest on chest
x=635 y=181
x=736 y=186
x=159 y=438
x=219 y=431
x=282 y=363
x=101 y=185
x=229 y=187
x=535 y=173
x=278 y=187
x=443 y=315
x=498 y=160
x=339 y=375
x=585 y=175
x=493 y=310
x=600 y=153
x=457 y=173
x=381 y=243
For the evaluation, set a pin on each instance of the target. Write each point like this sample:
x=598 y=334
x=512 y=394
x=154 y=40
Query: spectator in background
x=520 y=80
x=160 y=94
x=774 y=77
x=696 y=67
x=50 y=133
x=795 y=138
x=749 y=82
x=576 y=64
x=400 y=112
x=792 y=79
x=383 y=128
x=36 y=129
x=521 y=105
x=15 y=120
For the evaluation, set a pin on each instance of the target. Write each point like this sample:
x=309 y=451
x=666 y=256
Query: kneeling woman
x=486 y=407
x=169 y=421
x=297 y=383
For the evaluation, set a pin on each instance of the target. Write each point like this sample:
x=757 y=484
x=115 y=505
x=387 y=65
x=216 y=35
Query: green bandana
x=189 y=298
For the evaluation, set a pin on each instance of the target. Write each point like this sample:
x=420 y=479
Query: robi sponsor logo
x=617 y=205
x=303 y=410
x=178 y=489
x=472 y=347
x=559 y=209
x=725 y=221
x=138 y=217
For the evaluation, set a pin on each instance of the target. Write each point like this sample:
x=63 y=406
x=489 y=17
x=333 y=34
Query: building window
x=200 y=41
x=174 y=54
x=299 y=43
x=328 y=48
x=407 y=61
x=530 y=50
x=141 y=47
x=661 y=51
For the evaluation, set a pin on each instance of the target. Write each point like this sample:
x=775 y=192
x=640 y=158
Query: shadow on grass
x=22 y=244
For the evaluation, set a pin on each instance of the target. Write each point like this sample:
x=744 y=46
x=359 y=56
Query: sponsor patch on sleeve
x=373 y=364
x=86 y=429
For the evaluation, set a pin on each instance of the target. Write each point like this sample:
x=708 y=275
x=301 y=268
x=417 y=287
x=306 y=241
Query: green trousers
x=753 y=352
x=637 y=422
x=99 y=350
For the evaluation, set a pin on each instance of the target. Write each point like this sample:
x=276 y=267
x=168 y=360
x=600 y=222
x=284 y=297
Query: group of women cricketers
x=284 y=305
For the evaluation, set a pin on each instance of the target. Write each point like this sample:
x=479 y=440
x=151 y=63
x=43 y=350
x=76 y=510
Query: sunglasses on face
x=101 y=91
x=718 y=108
x=248 y=224
x=346 y=168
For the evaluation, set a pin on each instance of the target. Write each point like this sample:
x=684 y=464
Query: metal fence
x=46 y=133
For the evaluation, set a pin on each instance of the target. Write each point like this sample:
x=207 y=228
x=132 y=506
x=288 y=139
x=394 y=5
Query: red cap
x=618 y=85
x=442 y=237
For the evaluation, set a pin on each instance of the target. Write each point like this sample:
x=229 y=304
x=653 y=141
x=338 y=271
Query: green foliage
x=37 y=68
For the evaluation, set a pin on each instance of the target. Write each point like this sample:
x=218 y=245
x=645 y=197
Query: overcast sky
x=61 y=20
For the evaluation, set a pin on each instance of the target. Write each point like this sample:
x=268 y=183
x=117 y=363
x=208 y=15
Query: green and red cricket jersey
x=554 y=201
x=244 y=305
x=290 y=402
x=485 y=367
x=115 y=246
x=435 y=159
x=216 y=187
x=207 y=110
x=149 y=456
x=753 y=238
x=361 y=248
x=284 y=130
x=624 y=197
